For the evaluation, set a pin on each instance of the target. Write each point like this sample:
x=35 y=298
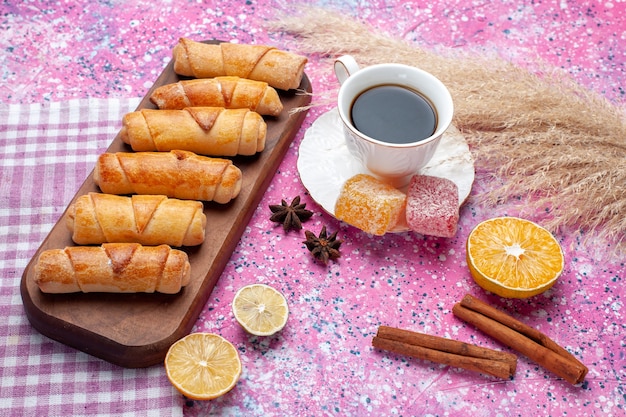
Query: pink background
x=322 y=363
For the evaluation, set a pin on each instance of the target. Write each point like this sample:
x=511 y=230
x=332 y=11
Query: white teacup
x=394 y=163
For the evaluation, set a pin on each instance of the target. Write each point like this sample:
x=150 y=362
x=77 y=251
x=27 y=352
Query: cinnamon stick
x=521 y=337
x=446 y=351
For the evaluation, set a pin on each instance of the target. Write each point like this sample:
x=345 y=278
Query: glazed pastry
x=212 y=131
x=112 y=267
x=96 y=218
x=227 y=92
x=177 y=174
x=280 y=69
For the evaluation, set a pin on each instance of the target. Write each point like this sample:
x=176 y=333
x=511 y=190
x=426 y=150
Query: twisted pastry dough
x=177 y=174
x=213 y=131
x=227 y=92
x=96 y=218
x=112 y=267
x=280 y=69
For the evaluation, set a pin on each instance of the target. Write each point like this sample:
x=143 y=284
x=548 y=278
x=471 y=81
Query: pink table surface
x=322 y=363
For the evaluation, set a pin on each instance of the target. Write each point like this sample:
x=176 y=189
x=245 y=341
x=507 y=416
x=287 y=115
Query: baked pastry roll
x=227 y=92
x=96 y=218
x=212 y=131
x=112 y=267
x=176 y=174
x=280 y=69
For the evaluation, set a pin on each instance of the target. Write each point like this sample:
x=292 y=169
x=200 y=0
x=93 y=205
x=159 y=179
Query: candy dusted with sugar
x=432 y=206
x=370 y=204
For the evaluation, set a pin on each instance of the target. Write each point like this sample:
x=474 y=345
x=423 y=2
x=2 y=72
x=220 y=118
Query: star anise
x=292 y=215
x=323 y=247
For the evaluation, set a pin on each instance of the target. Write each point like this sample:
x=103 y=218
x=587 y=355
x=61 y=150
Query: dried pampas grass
x=553 y=149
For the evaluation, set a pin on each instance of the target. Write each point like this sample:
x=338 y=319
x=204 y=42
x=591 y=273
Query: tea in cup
x=393 y=116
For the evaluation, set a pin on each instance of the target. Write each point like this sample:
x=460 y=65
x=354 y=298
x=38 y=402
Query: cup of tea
x=393 y=116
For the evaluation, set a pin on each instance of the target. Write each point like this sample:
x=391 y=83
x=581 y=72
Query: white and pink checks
x=46 y=152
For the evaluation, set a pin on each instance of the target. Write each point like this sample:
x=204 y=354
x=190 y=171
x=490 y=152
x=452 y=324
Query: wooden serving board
x=136 y=330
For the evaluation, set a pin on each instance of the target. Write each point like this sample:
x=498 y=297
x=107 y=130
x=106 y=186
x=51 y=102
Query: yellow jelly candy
x=370 y=204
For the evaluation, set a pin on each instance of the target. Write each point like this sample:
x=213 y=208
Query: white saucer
x=324 y=163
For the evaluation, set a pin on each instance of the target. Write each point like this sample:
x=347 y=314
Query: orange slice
x=513 y=258
x=260 y=309
x=203 y=366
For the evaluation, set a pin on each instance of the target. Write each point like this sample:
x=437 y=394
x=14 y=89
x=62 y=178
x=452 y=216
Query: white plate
x=324 y=163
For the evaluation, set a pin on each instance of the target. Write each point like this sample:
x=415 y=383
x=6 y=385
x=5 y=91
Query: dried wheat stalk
x=537 y=137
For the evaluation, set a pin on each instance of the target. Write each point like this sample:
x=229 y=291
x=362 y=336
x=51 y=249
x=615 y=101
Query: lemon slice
x=260 y=309
x=513 y=258
x=203 y=366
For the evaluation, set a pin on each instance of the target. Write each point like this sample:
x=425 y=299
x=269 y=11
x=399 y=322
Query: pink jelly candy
x=432 y=206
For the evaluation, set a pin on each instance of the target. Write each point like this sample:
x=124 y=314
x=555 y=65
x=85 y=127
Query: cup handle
x=345 y=66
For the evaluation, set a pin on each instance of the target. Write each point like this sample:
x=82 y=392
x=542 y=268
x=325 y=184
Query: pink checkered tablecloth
x=47 y=150
x=70 y=71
